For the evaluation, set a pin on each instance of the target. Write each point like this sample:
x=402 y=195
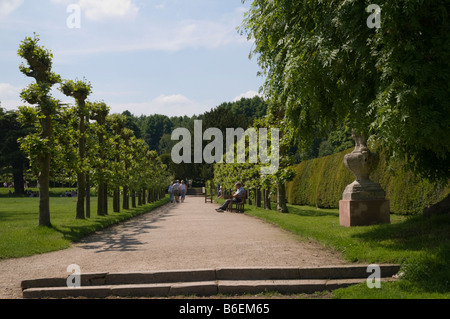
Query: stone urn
x=361 y=162
x=363 y=201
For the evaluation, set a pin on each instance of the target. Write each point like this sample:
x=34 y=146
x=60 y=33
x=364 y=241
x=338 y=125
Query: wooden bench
x=239 y=207
x=209 y=198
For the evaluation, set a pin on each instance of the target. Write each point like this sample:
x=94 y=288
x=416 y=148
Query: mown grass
x=21 y=236
x=421 y=245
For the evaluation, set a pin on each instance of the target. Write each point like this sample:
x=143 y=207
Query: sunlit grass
x=421 y=245
x=21 y=236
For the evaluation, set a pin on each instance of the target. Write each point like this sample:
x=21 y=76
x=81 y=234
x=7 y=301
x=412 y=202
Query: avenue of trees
x=85 y=146
x=260 y=187
x=327 y=74
x=83 y=142
x=157 y=130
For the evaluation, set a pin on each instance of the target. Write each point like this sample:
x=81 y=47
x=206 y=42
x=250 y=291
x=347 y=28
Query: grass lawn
x=20 y=236
x=420 y=245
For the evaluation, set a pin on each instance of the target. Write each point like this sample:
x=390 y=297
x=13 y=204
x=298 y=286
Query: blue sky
x=172 y=57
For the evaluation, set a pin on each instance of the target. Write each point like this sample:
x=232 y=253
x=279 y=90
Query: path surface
x=191 y=235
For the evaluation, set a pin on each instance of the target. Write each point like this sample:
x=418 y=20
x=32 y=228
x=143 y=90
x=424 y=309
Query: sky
x=170 y=57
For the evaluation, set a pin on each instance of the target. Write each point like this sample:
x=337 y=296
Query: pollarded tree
x=275 y=119
x=127 y=157
x=102 y=170
x=117 y=123
x=39 y=146
x=80 y=90
x=139 y=168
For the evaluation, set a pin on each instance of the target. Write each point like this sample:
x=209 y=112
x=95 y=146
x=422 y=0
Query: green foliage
x=337 y=141
x=39 y=62
x=157 y=129
x=155 y=126
x=40 y=145
x=80 y=90
x=10 y=131
x=64 y=142
x=326 y=67
x=321 y=182
x=12 y=159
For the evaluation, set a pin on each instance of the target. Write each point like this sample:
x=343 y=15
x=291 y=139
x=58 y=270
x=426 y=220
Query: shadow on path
x=124 y=237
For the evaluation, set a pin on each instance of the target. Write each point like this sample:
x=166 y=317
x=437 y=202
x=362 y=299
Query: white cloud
x=8 y=90
x=8 y=6
x=10 y=96
x=100 y=10
x=247 y=95
x=170 y=105
x=156 y=34
x=97 y=10
x=166 y=37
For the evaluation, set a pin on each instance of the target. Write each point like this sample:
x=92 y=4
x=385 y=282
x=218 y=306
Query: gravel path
x=190 y=235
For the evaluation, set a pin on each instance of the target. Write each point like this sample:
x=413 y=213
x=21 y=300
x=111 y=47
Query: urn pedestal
x=363 y=202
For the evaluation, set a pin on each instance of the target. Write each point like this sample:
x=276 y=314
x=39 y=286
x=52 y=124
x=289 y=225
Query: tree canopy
x=327 y=67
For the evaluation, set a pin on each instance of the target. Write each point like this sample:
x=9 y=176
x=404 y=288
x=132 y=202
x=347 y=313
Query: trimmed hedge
x=320 y=182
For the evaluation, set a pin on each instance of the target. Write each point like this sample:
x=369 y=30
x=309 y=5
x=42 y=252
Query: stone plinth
x=364 y=212
x=363 y=201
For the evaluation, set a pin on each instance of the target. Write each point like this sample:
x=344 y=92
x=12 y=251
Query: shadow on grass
x=416 y=233
x=429 y=268
x=307 y=211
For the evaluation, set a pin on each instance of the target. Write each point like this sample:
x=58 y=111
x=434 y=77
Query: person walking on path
x=171 y=192
x=176 y=190
x=237 y=198
x=183 y=191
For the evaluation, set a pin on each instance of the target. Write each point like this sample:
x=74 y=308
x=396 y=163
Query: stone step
x=203 y=288
x=205 y=281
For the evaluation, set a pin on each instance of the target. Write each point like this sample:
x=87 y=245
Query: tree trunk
x=81 y=195
x=19 y=188
x=102 y=204
x=81 y=176
x=88 y=196
x=100 y=200
x=267 y=199
x=143 y=196
x=116 y=200
x=44 y=175
x=139 y=198
x=281 y=198
x=44 y=191
x=125 y=201
x=133 y=199
x=105 y=199
x=88 y=178
x=258 y=198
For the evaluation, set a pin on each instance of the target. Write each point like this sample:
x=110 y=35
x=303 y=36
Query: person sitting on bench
x=237 y=198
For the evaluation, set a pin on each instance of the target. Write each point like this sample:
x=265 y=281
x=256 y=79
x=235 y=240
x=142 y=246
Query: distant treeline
x=157 y=130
